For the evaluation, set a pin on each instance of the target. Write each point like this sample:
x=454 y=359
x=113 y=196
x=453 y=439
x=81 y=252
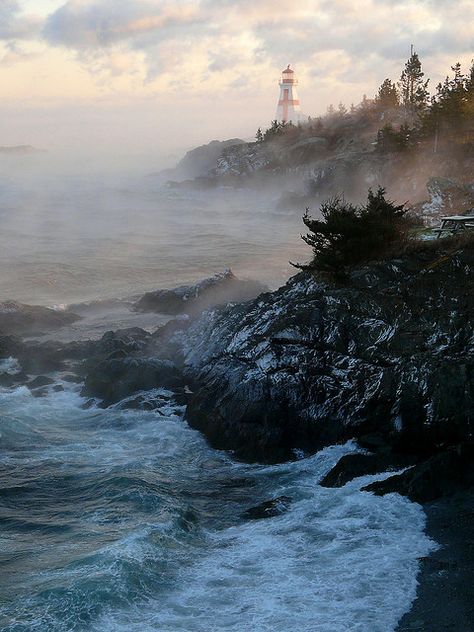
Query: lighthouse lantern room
x=288 y=108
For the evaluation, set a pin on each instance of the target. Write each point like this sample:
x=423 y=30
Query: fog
x=80 y=230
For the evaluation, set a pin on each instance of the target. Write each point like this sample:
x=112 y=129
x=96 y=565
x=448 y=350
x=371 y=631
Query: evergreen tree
x=348 y=235
x=387 y=95
x=341 y=110
x=259 y=136
x=331 y=110
x=452 y=107
x=412 y=85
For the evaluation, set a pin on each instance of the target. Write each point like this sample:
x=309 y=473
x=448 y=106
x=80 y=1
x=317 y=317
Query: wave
x=118 y=520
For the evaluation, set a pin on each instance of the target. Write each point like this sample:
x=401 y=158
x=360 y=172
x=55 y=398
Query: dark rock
x=201 y=160
x=352 y=466
x=39 y=392
x=58 y=388
x=13 y=379
x=9 y=346
x=193 y=299
x=73 y=379
x=16 y=318
x=114 y=380
x=41 y=380
x=89 y=404
x=149 y=401
x=268 y=509
x=388 y=355
x=442 y=475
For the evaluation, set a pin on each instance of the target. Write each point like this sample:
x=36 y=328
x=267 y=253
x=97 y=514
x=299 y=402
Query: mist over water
x=69 y=237
x=120 y=520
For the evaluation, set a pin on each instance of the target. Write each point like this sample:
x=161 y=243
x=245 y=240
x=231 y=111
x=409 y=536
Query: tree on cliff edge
x=412 y=85
x=349 y=235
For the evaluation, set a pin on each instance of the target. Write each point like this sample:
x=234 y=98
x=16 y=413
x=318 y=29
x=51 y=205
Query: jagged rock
x=41 y=380
x=442 y=475
x=243 y=160
x=16 y=318
x=390 y=353
x=116 y=379
x=200 y=161
x=192 y=299
x=352 y=466
x=447 y=197
x=268 y=509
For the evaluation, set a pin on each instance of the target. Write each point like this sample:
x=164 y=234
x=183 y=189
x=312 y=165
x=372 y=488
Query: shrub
x=348 y=235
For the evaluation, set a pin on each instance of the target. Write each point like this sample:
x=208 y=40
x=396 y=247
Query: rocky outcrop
x=313 y=363
x=447 y=197
x=114 y=379
x=200 y=161
x=193 y=299
x=441 y=475
x=16 y=318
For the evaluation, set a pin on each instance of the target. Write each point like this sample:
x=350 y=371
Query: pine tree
x=412 y=85
x=259 y=136
x=452 y=106
x=387 y=95
x=349 y=235
x=341 y=110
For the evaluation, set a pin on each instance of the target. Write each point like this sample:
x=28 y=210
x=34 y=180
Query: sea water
x=80 y=238
x=128 y=521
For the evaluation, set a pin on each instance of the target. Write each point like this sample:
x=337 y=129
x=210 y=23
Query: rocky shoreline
x=386 y=359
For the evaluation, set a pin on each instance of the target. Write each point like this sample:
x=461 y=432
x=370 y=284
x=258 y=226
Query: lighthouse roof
x=288 y=69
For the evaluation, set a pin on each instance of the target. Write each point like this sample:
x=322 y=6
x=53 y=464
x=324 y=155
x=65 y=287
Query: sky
x=148 y=79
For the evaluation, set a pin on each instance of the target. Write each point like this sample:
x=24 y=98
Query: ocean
x=119 y=520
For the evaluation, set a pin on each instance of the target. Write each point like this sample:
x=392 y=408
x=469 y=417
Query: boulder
x=442 y=475
x=19 y=319
x=115 y=379
x=268 y=509
x=40 y=381
x=352 y=466
x=192 y=299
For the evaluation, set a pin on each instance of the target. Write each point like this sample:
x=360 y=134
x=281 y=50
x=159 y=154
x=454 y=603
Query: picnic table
x=454 y=224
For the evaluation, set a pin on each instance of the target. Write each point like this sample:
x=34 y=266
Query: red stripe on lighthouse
x=286 y=102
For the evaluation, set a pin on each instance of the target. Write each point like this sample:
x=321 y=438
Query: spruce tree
x=387 y=95
x=413 y=86
x=341 y=110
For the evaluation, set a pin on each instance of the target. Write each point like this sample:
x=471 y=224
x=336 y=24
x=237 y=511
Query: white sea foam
x=10 y=366
x=339 y=560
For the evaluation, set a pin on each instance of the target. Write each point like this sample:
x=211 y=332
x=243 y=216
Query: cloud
x=83 y=25
x=242 y=44
x=13 y=25
x=14 y=54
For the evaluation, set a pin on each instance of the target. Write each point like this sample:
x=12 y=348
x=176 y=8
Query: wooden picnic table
x=454 y=224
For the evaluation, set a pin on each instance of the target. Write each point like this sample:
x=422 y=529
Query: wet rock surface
x=390 y=353
x=268 y=509
x=17 y=318
x=441 y=475
x=192 y=299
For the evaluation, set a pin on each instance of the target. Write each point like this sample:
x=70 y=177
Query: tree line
x=410 y=113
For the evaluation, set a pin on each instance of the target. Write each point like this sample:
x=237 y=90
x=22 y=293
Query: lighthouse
x=288 y=108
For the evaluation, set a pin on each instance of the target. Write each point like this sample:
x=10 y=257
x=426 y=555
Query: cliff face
x=390 y=353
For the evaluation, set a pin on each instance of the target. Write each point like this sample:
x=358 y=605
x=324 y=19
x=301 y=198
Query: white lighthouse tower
x=288 y=108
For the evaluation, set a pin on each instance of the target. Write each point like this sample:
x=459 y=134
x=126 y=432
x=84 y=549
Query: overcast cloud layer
x=145 y=50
